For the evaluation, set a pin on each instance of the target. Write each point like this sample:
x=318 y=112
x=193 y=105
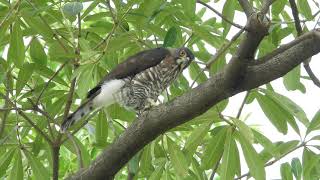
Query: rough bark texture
x=241 y=74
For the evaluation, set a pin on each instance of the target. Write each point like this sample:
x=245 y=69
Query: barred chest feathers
x=141 y=91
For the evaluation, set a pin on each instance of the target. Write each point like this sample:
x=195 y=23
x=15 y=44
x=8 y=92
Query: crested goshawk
x=135 y=83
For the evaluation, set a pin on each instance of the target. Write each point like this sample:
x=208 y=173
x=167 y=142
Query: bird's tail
x=83 y=110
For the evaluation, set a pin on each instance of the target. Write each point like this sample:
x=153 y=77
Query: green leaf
x=292 y=80
x=214 y=149
x=196 y=73
x=39 y=171
x=253 y=160
x=278 y=6
x=157 y=173
x=228 y=11
x=304 y=8
x=84 y=150
x=266 y=143
x=17 y=169
x=274 y=112
x=24 y=76
x=196 y=137
x=296 y=168
x=16 y=52
x=133 y=164
x=101 y=129
x=309 y=161
x=72 y=8
x=244 y=129
x=5 y=161
x=178 y=159
x=285 y=170
x=315 y=122
x=228 y=164
x=289 y=105
x=37 y=52
x=170 y=37
x=189 y=7
x=145 y=161
x=286 y=147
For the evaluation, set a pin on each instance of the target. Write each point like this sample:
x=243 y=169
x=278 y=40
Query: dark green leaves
x=101 y=129
x=24 y=76
x=170 y=37
x=229 y=159
x=40 y=172
x=37 y=52
x=214 y=150
x=178 y=159
x=286 y=171
x=296 y=168
x=16 y=53
x=17 y=169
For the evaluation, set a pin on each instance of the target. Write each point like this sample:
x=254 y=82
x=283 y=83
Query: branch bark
x=194 y=103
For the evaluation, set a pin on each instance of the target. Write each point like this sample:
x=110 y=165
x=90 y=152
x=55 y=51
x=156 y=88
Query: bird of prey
x=135 y=83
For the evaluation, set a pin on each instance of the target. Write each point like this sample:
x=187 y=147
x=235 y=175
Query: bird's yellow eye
x=182 y=53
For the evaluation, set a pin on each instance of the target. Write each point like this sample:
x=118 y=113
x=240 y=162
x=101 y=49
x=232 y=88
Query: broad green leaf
x=309 y=161
x=157 y=173
x=37 y=53
x=72 y=8
x=229 y=164
x=315 y=122
x=304 y=8
x=253 y=160
x=189 y=7
x=133 y=164
x=292 y=80
x=214 y=149
x=266 y=143
x=296 y=168
x=196 y=137
x=278 y=6
x=177 y=158
x=274 y=112
x=285 y=170
x=24 y=76
x=101 y=129
x=170 y=37
x=17 y=169
x=196 y=73
x=289 y=105
x=244 y=129
x=146 y=161
x=5 y=161
x=286 y=147
x=84 y=150
x=228 y=11
x=39 y=171
x=16 y=50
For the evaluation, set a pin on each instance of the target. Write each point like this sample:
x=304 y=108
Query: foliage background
x=51 y=48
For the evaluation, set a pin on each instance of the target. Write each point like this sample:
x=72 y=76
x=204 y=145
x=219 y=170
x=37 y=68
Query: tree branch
x=247 y=8
x=194 y=103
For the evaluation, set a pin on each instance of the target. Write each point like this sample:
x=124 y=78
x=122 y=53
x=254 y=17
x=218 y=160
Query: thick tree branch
x=167 y=116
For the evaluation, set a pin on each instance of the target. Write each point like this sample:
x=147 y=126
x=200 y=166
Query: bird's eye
x=182 y=53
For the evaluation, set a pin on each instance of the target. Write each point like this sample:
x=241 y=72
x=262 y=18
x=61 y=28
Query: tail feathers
x=83 y=110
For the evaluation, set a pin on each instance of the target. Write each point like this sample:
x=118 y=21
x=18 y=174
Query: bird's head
x=183 y=57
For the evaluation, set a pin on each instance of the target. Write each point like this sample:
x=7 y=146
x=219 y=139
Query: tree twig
x=242 y=104
x=219 y=53
x=221 y=15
